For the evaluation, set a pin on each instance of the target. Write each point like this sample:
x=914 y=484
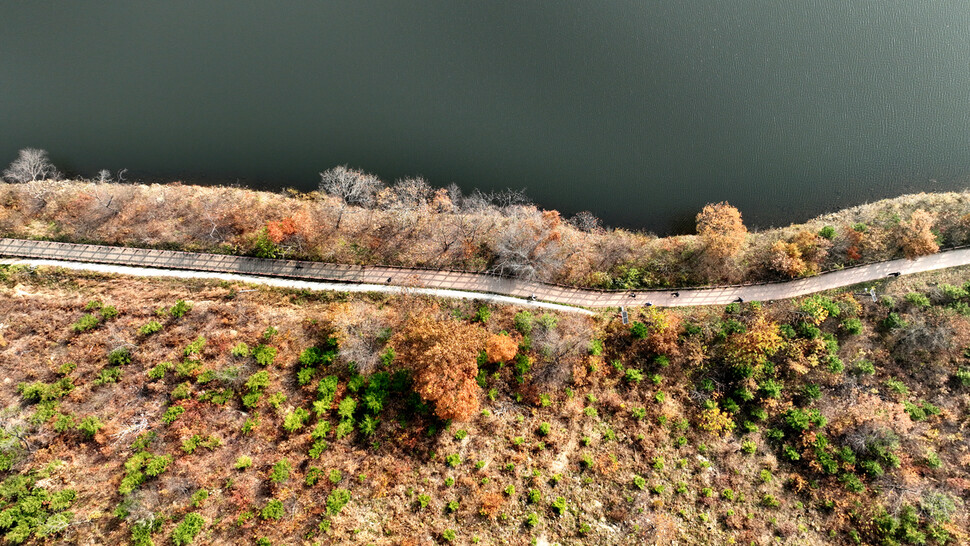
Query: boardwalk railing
x=465 y=281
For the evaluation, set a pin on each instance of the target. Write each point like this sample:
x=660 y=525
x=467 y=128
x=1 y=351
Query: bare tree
x=506 y=201
x=102 y=194
x=586 y=221
x=353 y=187
x=407 y=194
x=31 y=164
x=529 y=245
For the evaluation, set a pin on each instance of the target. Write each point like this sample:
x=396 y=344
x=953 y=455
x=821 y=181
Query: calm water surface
x=638 y=111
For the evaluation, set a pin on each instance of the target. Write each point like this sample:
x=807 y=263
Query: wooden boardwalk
x=469 y=282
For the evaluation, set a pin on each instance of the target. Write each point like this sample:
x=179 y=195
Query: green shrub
x=38 y=391
x=186 y=531
x=158 y=372
x=532 y=519
x=344 y=428
x=356 y=383
x=523 y=322
x=240 y=350
x=187 y=368
x=196 y=347
x=639 y=482
x=90 y=426
x=483 y=314
x=85 y=323
x=827 y=232
x=141 y=531
x=559 y=505
x=633 y=375
x=250 y=424
x=172 y=413
x=108 y=312
x=280 y=472
x=294 y=420
x=864 y=367
x=264 y=354
x=273 y=510
x=852 y=483
x=150 y=328
x=108 y=375
x=962 y=376
x=243 y=462
x=180 y=308
x=449 y=535
x=639 y=330
x=852 y=326
x=32 y=511
x=892 y=321
x=939 y=506
x=423 y=501
x=748 y=447
x=181 y=391
x=388 y=356
x=313 y=475
x=346 y=408
x=917 y=299
x=771 y=388
x=336 y=501
x=453 y=460
x=199 y=497
x=189 y=445
x=369 y=424
x=64 y=423
x=897 y=386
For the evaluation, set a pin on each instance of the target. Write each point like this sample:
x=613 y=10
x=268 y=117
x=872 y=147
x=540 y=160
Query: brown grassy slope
x=604 y=430
x=440 y=233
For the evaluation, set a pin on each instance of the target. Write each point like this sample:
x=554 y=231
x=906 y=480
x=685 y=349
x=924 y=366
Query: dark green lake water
x=638 y=111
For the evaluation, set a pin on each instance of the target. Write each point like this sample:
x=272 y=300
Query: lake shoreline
x=462 y=234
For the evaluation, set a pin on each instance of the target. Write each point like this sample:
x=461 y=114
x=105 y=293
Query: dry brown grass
x=406 y=457
x=305 y=226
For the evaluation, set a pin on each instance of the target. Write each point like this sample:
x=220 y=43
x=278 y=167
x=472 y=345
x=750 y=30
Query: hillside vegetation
x=356 y=219
x=188 y=412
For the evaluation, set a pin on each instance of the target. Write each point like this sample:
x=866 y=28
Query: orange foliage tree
x=721 y=230
x=918 y=238
x=801 y=256
x=443 y=356
x=281 y=230
x=499 y=348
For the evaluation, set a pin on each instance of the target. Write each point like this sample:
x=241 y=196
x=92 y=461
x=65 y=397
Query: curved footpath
x=298 y=274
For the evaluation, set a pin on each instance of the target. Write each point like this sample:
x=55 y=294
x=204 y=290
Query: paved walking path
x=435 y=281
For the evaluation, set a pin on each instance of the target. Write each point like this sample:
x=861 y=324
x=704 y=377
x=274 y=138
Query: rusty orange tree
x=442 y=354
x=917 y=236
